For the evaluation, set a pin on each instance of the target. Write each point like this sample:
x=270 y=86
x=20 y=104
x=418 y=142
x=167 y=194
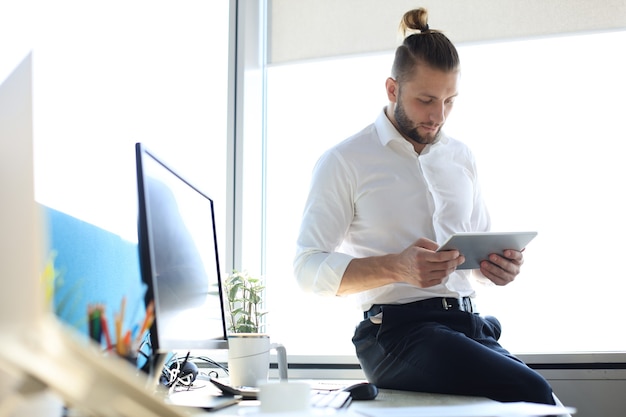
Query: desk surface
x=386 y=399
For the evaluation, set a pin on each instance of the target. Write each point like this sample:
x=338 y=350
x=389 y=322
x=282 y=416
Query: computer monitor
x=37 y=352
x=21 y=244
x=179 y=259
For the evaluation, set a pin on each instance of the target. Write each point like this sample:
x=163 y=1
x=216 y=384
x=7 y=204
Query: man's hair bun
x=414 y=21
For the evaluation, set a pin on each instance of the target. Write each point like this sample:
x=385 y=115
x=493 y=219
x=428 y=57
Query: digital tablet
x=477 y=247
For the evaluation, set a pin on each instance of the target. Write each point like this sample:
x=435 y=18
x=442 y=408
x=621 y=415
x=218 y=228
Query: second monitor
x=179 y=259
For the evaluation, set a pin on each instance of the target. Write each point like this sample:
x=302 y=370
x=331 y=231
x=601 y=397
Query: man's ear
x=392 y=89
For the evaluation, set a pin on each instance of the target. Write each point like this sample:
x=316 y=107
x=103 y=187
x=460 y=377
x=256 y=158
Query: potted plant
x=244 y=295
x=248 y=346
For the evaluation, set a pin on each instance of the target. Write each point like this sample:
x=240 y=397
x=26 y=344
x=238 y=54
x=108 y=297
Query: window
x=543 y=118
x=107 y=76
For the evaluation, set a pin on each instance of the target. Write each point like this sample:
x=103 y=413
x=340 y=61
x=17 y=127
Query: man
x=379 y=202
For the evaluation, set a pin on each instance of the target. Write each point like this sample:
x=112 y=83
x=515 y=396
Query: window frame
x=249 y=62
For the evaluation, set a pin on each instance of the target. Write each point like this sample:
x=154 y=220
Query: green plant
x=244 y=294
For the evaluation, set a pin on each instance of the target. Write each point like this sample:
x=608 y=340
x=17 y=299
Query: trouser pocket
x=495 y=326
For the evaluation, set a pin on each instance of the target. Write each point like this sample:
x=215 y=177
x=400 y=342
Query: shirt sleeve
x=328 y=212
x=480 y=215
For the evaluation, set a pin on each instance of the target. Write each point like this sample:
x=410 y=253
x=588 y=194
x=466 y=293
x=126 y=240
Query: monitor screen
x=179 y=259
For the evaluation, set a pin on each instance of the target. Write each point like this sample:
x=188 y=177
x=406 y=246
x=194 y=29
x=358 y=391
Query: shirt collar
x=386 y=130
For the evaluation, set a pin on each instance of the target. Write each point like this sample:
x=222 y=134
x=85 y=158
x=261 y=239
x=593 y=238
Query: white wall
x=305 y=29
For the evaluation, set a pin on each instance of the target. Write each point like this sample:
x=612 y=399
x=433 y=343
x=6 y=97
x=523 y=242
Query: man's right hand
x=421 y=265
x=418 y=265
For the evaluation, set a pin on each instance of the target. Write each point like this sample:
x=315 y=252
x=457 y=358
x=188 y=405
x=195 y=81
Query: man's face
x=421 y=105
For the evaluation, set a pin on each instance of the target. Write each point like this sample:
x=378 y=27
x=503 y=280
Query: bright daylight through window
x=544 y=120
x=98 y=91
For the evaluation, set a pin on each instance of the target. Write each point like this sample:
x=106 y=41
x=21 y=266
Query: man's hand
x=422 y=266
x=502 y=269
x=419 y=265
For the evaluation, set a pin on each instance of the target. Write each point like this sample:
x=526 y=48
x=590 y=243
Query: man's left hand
x=502 y=269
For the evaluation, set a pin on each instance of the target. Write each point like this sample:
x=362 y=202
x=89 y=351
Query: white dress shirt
x=371 y=195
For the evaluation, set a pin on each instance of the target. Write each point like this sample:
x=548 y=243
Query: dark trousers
x=447 y=352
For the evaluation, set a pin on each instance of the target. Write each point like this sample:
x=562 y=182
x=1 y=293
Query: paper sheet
x=488 y=409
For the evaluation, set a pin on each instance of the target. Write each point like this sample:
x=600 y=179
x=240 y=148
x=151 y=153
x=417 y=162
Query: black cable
x=212 y=362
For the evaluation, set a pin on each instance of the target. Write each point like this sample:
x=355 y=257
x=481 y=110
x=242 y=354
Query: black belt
x=439 y=303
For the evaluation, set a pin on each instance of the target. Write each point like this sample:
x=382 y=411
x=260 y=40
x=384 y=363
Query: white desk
x=385 y=398
x=399 y=400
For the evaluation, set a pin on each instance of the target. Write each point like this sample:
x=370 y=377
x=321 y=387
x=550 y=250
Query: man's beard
x=408 y=129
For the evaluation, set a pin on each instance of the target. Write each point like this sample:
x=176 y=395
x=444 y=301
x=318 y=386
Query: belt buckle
x=468 y=305
x=464 y=303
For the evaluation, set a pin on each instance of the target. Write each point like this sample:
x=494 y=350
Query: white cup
x=280 y=397
x=249 y=359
